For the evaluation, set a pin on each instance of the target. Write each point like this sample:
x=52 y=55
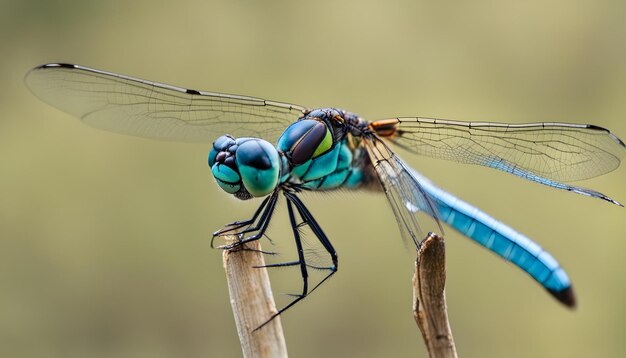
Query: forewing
x=414 y=210
x=143 y=108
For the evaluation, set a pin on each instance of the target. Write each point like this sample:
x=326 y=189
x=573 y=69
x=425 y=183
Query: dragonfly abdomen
x=501 y=240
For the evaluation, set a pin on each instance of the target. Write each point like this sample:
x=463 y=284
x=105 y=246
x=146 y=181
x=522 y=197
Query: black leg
x=301 y=262
x=317 y=230
x=307 y=219
x=236 y=225
x=267 y=209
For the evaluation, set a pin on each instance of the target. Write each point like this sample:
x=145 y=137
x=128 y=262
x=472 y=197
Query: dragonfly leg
x=259 y=251
x=319 y=233
x=266 y=209
x=236 y=225
x=308 y=220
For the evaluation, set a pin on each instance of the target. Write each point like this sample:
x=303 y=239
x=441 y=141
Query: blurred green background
x=104 y=248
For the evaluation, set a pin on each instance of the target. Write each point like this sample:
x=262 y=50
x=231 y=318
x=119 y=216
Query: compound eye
x=259 y=166
x=223 y=165
x=221 y=144
x=227 y=178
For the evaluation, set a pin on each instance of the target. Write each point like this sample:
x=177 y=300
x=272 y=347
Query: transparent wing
x=557 y=151
x=413 y=208
x=143 y=108
x=547 y=153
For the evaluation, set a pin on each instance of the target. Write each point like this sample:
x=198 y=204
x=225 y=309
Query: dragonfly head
x=244 y=167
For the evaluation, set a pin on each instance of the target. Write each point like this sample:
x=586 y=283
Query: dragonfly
x=265 y=149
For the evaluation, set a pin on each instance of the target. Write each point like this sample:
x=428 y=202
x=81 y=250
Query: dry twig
x=429 y=300
x=252 y=302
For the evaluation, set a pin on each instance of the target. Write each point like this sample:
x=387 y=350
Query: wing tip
x=565 y=296
x=615 y=138
x=57 y=64
x=46 y=66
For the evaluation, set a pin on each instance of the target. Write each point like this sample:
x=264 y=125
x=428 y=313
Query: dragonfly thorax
x=305 y=140
x=245 y=167
x=317 y=154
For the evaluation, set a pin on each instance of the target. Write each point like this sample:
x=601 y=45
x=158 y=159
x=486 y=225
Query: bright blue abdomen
x=502 y=240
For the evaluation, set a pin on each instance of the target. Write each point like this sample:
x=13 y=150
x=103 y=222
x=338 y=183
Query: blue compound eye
x=227 y=178
x=224 y=167
x=259 y=166
x=220 y=145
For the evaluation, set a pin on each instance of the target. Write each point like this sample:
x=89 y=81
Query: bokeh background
x=104 y=238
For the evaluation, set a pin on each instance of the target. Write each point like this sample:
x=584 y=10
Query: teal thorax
x=313 y=153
